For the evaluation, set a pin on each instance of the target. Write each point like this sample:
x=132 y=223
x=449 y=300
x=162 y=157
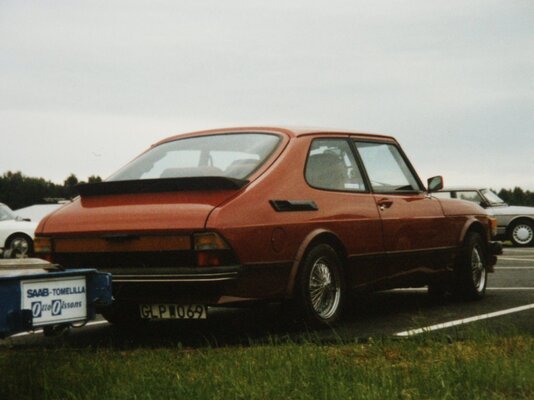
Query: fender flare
x=473 y=224
x=314 y=235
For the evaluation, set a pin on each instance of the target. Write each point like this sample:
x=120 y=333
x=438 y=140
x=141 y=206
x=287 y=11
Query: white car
x=514 y=223
x=16 y=234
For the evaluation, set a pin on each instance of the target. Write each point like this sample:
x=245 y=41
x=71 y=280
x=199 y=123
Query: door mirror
x=435 y=183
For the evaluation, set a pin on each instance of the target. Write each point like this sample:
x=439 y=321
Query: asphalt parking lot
x=508 y=306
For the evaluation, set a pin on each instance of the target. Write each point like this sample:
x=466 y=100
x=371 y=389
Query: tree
x=18 y=190
x=517 y=196
x=94 y=179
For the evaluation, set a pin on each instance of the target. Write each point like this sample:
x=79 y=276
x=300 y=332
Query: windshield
x=231 y=155
x=6 y=213
x=492 y=197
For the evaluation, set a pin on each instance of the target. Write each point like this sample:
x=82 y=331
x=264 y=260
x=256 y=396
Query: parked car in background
x=514 y=223
x=37 y=212
x=16 y=234
x=233 y=216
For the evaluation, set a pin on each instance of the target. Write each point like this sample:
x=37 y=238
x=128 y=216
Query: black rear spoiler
x=160 y=185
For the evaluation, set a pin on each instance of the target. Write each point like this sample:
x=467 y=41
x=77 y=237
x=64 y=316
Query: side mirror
x=434 y=184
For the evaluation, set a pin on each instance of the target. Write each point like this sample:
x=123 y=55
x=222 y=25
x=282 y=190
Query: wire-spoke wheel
x=321 y=286
x=478 y=269
x=471 y=268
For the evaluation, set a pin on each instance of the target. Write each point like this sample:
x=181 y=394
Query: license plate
x=55 y=301
x=173 y=311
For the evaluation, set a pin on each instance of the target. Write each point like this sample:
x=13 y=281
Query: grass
x=430 y=367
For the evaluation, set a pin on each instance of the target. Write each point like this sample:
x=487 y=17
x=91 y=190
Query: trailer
x=37 y=294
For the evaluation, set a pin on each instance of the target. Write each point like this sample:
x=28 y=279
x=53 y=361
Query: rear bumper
x=209 y=286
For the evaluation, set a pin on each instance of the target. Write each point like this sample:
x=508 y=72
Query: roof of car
x=289 y=131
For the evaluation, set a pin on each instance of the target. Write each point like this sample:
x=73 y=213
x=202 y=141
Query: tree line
x=18 y=190
x=517 y=196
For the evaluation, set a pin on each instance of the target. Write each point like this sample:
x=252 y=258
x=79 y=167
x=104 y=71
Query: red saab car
x=228 y=216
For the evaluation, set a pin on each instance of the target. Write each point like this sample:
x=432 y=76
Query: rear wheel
x=472 y=268
x=19 y=246
x=321 y=286
x=521 y=233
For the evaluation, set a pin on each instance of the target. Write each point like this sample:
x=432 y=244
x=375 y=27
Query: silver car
x=16 y=234
x=514 y=223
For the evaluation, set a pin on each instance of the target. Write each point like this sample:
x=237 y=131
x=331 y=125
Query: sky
x=85 y=86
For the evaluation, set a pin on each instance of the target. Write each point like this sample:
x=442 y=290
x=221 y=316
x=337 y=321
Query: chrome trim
x=221 y=277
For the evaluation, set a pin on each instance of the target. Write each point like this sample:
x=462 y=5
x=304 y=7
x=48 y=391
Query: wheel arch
x=15 y=234
x=314 y=238
x=517 y=219
x=473 y=225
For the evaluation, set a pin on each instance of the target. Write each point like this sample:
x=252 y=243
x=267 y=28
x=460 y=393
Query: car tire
x=521 y=233
x=19 y=246
x=471 y=271
x=321 y=287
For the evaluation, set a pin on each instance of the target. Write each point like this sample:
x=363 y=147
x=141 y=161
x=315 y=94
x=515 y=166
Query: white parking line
x=512 y=268
x=41 y=331
x=424 y=289
x=515 y=259
x=431 y=328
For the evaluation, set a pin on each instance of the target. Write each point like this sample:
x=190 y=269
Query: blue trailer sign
x=35 y=293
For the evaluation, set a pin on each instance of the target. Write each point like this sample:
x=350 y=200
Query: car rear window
x=6 y=213
x=230 y=155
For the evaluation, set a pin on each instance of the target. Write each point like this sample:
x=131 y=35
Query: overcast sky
x=87 y=85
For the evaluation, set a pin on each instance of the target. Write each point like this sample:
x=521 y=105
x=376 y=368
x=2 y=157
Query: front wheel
x=321 y=286
x=522 y=233
x=472 y=268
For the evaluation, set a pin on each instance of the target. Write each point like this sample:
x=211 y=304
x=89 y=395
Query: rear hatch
x=148 y=206
x=127 y=227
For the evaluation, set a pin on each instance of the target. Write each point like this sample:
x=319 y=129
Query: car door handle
x=384 y=203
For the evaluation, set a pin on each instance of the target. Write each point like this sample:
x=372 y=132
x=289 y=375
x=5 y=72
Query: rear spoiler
x=160 y=185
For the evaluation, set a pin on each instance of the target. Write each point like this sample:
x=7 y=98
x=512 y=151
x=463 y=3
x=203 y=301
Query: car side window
x=469 y=195
x=442 y=195
x=386 y=168
x=331 y=165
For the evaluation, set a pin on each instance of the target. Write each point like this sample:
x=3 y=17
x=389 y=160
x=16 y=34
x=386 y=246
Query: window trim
x=355 y=155
x=277 y=149
x=406 y=160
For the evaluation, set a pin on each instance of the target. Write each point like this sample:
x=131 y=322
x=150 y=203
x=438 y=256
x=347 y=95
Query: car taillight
x=212 y=250
x=43 y=247
x=209 y=241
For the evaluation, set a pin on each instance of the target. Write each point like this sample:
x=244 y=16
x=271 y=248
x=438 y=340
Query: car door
x=347 y=207
x=416 y=237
